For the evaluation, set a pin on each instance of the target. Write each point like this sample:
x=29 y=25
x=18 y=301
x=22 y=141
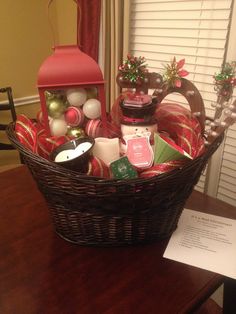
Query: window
x=197 y=31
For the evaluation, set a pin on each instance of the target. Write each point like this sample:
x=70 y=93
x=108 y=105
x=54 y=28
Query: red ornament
x=93 y=128
x=74 y=116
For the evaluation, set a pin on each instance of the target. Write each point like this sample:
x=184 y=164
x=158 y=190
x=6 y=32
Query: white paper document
x=205 y=241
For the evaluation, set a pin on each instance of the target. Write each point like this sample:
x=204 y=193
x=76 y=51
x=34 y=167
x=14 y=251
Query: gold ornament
x=75 y=132
x=56 y=104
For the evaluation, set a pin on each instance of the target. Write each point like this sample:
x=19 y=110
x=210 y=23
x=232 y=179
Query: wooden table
x=42 y=273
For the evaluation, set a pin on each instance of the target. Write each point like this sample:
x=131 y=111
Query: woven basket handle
x=191 y=94
x=187 y=89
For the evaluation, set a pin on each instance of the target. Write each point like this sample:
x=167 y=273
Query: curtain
x=89 y=13
x=114 y=41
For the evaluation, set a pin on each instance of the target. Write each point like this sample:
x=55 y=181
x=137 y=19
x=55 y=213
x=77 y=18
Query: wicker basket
x=93 y=211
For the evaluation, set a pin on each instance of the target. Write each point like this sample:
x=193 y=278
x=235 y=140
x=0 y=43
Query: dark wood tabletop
x=42 y=273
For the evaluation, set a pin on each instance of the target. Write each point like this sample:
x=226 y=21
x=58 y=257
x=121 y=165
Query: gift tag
x=139 y=151
x=122 y=169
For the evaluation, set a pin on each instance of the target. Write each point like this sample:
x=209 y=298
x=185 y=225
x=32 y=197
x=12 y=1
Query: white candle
x=65 y=155
x=82 y=148
x=107 y=149
x=69 y=154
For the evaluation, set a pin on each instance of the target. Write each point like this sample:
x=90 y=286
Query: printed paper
x=205 y=241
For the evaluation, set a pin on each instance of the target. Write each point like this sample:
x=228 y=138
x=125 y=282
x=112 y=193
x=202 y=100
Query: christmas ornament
x=92 y=92
x=225 y=81
x=94 y=128
x=174 y=72
x=56 y=106
x=75 y=132
x=133 y=69
x=92 y=108
x=97 y=168
x=74 y=116
x=58 y=127
x=76 y=97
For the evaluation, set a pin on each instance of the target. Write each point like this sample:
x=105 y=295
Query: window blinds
x=195 y=30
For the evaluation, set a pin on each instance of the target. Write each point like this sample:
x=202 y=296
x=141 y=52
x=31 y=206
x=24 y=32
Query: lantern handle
x=78 y=21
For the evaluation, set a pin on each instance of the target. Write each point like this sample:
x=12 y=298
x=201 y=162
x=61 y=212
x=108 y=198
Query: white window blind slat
x=147 y=5
x=179 y=50
x=228 y=179
x=178 y=33
x=174 y=15
x=226 y=192
x=184 y=42
x=181 y=24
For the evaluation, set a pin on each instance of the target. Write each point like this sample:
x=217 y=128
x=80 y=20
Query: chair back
x=7 y=105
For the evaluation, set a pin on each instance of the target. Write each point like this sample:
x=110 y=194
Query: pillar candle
x=106 y=149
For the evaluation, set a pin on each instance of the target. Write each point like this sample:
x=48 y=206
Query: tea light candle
x=69 y=154
x=106 y=149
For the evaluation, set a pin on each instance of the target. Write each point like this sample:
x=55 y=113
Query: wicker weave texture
x=94 y=211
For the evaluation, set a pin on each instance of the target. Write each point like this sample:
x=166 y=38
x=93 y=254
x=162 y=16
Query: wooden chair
x=7 y=106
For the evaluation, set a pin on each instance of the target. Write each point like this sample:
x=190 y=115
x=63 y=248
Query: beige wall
x=25 y=42
x=26 y=39
x=66 y=17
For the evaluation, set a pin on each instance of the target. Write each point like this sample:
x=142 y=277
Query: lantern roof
x=69 y=66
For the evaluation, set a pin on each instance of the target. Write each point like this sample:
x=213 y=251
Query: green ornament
x=75 y=132
x=56 y=107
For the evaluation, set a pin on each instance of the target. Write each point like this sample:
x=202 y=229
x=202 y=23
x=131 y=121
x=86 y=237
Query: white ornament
x=58 y=127
x=92 y=108
x=76 y=97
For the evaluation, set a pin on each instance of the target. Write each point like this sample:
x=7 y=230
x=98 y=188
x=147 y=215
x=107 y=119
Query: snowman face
x=138 y=129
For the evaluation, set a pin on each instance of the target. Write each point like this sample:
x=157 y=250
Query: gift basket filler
x=122 y=177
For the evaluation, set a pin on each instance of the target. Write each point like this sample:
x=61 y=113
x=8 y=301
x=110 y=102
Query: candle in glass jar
x=69 y=154
x=107 y=149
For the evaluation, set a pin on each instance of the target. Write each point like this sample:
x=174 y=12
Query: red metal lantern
x=68 y=68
